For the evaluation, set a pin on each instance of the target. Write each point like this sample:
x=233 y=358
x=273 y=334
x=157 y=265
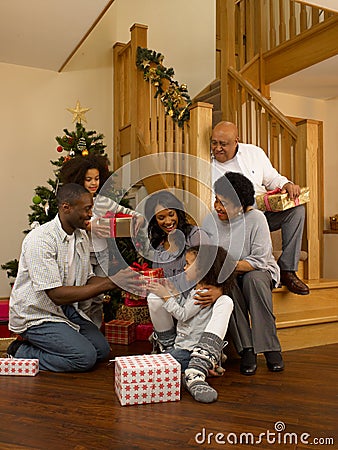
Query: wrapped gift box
x=148 y=274
x=4 y=331
x=120 y=332
x=17 y=366
x=4 y=309
x=143 y=331
x=4 y=343
x=144 y=379
x=137 y=314
x=130 y=299
x=120 y=224
x=275 y=201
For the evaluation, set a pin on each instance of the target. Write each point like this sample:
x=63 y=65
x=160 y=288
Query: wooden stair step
x=309 y=317
x=307 y=320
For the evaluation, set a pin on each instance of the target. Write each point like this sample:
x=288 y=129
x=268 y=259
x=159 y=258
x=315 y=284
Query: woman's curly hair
x=237 y=188
x=75 y=169
x=214 y=266
x=168 y=201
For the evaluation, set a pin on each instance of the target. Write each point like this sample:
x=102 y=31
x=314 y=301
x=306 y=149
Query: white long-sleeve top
x=253 y=163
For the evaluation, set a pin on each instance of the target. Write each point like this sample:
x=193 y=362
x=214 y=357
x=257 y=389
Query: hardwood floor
x=81 y=411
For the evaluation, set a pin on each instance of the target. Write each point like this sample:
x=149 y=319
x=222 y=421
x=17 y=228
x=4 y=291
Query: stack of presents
x=132 y=321
x=141 y=379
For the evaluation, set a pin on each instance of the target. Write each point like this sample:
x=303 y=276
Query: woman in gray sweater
x=243 y=231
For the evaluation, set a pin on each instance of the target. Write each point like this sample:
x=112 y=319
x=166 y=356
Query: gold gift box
x=137 y=314
x=119 y=226
x=280 y=202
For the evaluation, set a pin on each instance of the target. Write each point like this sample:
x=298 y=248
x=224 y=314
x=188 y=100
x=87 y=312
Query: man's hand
x=293 y=190
x=128 y=280
x=209 y=297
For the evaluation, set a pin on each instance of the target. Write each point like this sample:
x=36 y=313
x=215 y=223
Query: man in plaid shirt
x=54 y=276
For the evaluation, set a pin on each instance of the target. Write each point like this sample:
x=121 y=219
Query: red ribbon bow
x=140 y=267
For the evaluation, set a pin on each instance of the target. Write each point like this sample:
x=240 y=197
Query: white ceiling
x=45 y=33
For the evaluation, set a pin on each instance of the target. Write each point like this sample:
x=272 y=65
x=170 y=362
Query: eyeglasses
x=222 y=144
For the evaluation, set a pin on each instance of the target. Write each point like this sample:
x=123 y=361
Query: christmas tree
x=77 y=143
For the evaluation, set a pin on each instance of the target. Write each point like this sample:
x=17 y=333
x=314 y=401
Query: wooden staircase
x=307 y=321
x=141 y=128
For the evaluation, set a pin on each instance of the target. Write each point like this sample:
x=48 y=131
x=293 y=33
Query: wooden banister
x=266 y=104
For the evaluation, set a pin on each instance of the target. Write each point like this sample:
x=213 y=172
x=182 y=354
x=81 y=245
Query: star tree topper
x=78 y=113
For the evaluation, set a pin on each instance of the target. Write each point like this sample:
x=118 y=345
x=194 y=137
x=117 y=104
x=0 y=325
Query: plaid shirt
x=44 y=265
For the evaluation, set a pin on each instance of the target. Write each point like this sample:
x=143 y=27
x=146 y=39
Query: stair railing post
x=140 y=93
x=307 y=168
x=118 y=100
x=200 y=181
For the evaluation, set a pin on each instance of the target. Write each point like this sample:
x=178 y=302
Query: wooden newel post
x=140 y=92
x=200 y=170
x=307 y=169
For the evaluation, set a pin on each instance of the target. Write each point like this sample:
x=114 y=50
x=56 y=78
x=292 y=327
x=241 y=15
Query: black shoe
x=14 y=346
x=293 y=283
x=248 y=364
x=274 y=361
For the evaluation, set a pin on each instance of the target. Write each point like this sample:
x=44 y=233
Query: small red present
x=130 y=299
x=142 y=379
x=17 y=366
x=120 y=332
x=147 y=273
x=120 y=224
x=4 y=309
x=4 y=331
x=143 y=331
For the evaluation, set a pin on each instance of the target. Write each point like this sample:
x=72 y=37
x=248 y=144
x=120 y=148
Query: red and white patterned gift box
x=17 y=366
x=120 y=331
x=145 y=379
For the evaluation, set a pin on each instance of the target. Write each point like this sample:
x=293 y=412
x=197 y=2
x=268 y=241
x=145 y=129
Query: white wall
x=33 y=101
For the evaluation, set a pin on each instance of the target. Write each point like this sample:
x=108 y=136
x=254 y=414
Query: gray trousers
x=252 y=323
x=291 y=223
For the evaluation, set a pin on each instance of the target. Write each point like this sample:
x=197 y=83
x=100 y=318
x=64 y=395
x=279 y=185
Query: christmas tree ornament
x=85 y=152
x=46 y=207
x=72 y=153
x=78 y=113
x=36 y=199
x=59 y=148
x=81 y=145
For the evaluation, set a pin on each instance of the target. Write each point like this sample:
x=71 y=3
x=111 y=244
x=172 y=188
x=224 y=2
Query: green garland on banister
x=175 y=98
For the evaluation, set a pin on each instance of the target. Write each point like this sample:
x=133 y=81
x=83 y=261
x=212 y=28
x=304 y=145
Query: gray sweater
x=245 y=237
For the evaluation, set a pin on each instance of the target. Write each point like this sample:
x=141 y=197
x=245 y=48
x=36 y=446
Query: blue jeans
x=182 y=356
x=60 y=348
